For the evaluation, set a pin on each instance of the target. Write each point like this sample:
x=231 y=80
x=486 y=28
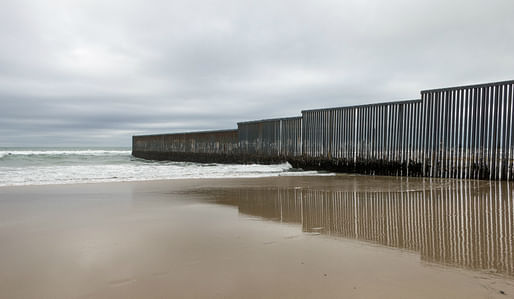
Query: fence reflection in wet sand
x=460 y=224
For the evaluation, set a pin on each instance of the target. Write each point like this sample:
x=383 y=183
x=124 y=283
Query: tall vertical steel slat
x=472 y=132
x=394 y=139
x=340 y=134
x=342 y=141
x=404 y=136
x=383 y=123
x=351 y=133
x=319 y=121
x=413 y=141
x=305 y=133
x=477 y=138
x=383 y=134
x=374 y=135
x=506 y=135
x=328 y=126
x=379 y=128
x=427 y=137
x=311 y=128
x=377 y=133
x=421 y=133
x=464 y=150
x=394 y=134
x=488 y=131
x=339 y=129
x=308 y=126
x=399 y=137
x=502 y=112
x=302 y=134
x=321 y=136
x=459 y=128
x=328 y=131
x=349 y=137
x=412 y=125
x=507 y=127
x=475 y=134
x=345 y=134
x=510 y=133
x=365 y=137
x=334 y=124
x=456 y=129
x=499 y=133
x=432 y=133
x=443 y=134
x=358 y=127
x=448 y=151
x=332 y=133
x=315 y=135
x=470 y=137
x=355 y=134
x=494 y=132
x=465 y=133
x=390 y=134
x=483 y=130
x=365 y=133
x=409 y=125
x=435 y=131
x=371 y=132
x=322 y=115
x=480 y=130
x=387 y=135
x=414 y=120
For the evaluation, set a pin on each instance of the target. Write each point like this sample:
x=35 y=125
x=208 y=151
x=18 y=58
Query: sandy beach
x=285 y=237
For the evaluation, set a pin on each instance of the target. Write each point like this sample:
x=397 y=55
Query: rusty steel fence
x=373 y=139
x=279 y=137
x=468 y=131
x=457 y=132
x=205 y=146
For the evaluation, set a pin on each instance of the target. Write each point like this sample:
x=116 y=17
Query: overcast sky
x=96 y=72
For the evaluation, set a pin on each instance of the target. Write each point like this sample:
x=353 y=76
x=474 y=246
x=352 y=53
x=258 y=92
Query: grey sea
x=40 y=166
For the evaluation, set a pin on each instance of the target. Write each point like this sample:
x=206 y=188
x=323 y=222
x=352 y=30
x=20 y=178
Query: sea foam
x=64 y=166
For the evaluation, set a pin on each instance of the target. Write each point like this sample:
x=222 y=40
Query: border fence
x=457 y=132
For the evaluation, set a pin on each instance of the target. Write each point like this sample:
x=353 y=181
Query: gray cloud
x=96 y=72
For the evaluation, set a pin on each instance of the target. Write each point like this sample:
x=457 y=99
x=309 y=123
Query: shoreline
x=401 y=179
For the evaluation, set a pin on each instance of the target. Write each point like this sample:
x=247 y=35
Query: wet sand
x=286 y=237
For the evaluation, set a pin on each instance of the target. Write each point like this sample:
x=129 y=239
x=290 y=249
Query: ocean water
x=41 y=166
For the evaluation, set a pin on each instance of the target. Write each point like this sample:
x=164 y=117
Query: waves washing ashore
x=39 y=166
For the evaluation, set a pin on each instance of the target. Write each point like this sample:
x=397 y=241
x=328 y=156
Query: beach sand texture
x=286 y=237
